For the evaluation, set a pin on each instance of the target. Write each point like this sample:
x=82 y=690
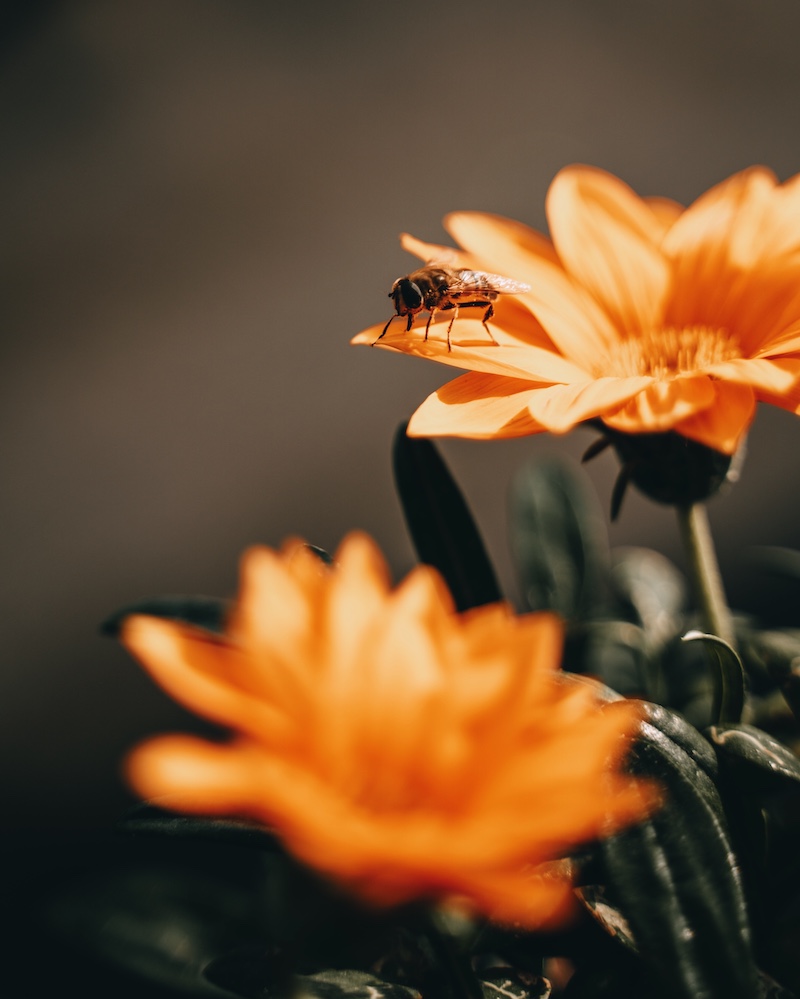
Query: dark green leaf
x=203 y=612
x=511 y=983
x=260 y=975
x=649 y=587
x=161 y=925
x=776 y=656
x=728 y=677
x=440 y=523
x=616 y=652
x=350 y=985
x=754 y=761
x=558 y=538
x=676 y=881
x=149 y=819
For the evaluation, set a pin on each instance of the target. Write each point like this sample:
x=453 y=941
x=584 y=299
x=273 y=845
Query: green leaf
x=753 y=761
x=254 y=976
x=728 y=676
x=149 y=819
x=153 y=925
x=675 y=879
x=209 y=613
x=440 y=523
x=558 y=539
x=511 y=983
x=651 y=589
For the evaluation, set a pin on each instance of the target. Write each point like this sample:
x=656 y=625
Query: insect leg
x=486 y=317
x=450 y=326
x=385 y=328
x=428 y=324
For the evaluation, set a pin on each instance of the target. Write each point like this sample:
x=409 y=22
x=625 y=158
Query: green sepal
x=558 y=538
x=440 y=524
x=675 y=878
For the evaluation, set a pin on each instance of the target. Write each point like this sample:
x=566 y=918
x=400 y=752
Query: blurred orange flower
x=647 y=315
x=400 y=749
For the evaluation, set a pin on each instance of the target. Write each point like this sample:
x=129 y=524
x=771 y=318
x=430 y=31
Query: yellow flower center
x=668 y=352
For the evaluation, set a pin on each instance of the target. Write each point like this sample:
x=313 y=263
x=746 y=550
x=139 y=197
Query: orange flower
x=649 y=316
x=400 y=749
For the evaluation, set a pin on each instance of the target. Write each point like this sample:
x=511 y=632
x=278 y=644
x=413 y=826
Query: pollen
x=669 y=351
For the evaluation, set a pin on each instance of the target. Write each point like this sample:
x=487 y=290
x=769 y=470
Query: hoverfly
x=439 y=288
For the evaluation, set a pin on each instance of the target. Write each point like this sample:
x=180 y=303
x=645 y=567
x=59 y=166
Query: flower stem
x=704 y=569
x=461 y=980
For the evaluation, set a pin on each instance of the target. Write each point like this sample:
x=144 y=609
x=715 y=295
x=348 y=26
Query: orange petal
x=665 y=210
x=662 y=404
x=471 y=348
x=199 y=673
x=478 y=406
x=607 y=239
x=788 y=399
x=561 y=407
x=196 y=775
x=780 y=232
x=758 y=373
x=722 y=425
x=357 y=595
x=428 y=252
x=699 y=245
x=577 y=325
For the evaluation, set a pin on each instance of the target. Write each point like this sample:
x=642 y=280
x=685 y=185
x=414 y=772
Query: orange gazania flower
x=402 y=750
x=647 y=315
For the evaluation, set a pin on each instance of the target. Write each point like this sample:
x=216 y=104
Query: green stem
x=461 y=979
x=704 y=569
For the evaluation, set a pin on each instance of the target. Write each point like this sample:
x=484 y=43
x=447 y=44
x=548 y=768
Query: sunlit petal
x=478 y=406
x=663 y=404
x=607 y=239
x=561 y=407
x=571 y=317
x=723 y=424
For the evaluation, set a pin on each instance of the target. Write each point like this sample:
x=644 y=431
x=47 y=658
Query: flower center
x=667 y=352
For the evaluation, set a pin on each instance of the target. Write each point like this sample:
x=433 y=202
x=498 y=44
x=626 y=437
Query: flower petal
x=478 y=406
x=666 y=211
x=470 y=347
x=788 y=399
x=560 y=407
x=196 y=775
x=709 y=221
x=662 y=404
x=428 y=252
x=758 y=373
x=201 y=674
x=706 y=269
x=607 y=239
x=577 y=325
x=723 y=424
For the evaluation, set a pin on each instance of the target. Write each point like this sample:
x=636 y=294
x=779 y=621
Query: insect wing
x=475 y=282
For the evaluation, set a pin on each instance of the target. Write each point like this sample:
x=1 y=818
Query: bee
x=439 y=288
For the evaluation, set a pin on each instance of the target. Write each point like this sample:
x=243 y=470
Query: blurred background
x=200 y=206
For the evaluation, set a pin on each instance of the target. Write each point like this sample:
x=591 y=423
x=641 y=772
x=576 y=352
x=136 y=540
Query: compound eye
x=410 y=293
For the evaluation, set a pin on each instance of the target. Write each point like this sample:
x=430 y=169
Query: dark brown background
x=200 y=204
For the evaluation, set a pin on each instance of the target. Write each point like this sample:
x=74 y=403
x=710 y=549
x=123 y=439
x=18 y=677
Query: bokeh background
x=200 y=206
